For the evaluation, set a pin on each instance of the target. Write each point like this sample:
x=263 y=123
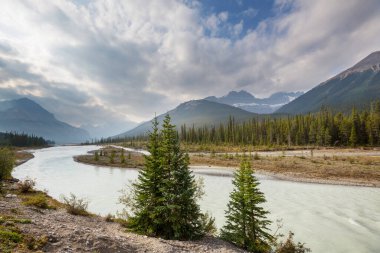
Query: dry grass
x=330 y=165
x=131 y=159
x=353 y=169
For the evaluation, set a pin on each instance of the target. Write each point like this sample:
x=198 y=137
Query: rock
x=13 y=187
x=11 y=196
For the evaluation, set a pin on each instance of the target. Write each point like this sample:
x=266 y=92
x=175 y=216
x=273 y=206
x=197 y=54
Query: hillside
x=356 y=86
x=197 y=112
x=25 y=116
x=246 y=101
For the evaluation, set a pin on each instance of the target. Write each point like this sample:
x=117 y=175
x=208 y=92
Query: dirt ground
x=54 y=230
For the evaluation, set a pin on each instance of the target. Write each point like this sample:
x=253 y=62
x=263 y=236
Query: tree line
x=22 y=140
x=323 y=128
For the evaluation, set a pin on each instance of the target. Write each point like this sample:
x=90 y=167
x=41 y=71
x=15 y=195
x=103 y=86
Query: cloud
x=249 y=13
x=91 y=62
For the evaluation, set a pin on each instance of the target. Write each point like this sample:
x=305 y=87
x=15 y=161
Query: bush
x=208 y=224
x=26 y=186
x=39 y=200
x=7 y=161
x=96 y=156
x=289 y=246
x=75 y=205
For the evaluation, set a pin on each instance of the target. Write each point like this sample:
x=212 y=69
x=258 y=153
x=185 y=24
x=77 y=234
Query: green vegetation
x=289 y=246
x=247 y=224
x=22 y=140
x=7 y=162
x=246 y=221
x=320 y=129
x=12 y=238
x=323 y=128
x=163 y=200
x=38 y=199
x=75 y=205
x=96 y=156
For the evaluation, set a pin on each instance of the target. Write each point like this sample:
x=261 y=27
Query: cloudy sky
x=110 y=62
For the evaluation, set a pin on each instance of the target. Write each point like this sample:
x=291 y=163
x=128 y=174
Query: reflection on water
x=328 y=218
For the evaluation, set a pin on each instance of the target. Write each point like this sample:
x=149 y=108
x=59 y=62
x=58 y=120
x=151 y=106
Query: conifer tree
x=146 y=191
x=353 y=136
x=183 y=217
x=247 y=224
x=164 y=196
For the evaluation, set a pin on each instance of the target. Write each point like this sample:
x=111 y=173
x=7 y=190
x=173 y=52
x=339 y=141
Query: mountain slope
x=25 y=116
x=197 y=112
x=356 y=86
x=246 y=101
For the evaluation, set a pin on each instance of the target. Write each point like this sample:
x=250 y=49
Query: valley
x=189 y=126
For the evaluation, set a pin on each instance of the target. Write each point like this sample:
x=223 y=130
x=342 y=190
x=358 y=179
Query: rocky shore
x=55 y=230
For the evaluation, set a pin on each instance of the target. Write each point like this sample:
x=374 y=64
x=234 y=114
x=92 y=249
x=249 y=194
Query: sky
x=106 y=64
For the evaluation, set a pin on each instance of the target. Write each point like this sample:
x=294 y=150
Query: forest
x=22 y=140
x=323 y=128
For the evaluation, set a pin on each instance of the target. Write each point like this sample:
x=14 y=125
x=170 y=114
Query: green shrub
x=38 y=200
x=75 y=205
x=10 y=236
x=7 y=161
x=96 y=156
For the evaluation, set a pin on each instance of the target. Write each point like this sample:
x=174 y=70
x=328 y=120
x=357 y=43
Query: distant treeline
x=323 y=128
x=22 y=140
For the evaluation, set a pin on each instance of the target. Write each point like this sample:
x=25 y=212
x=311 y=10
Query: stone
x=11 y=196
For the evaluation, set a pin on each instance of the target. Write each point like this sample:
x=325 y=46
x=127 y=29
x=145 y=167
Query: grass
x=39 y=200
x=358 y=169
x=12 y=238
x=113 y=157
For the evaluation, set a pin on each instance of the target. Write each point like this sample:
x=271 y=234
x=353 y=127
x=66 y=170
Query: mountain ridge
x=195 y=112
x=354 y=87
x=26 y=116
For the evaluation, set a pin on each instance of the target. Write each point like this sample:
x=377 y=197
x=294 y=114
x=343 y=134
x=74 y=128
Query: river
x=328 y=218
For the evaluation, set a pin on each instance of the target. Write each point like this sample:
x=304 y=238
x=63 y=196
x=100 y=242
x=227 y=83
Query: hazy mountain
x=108 y=128
x=246 y=101
x=25 y=116
x=356 y=86
x=197 y=112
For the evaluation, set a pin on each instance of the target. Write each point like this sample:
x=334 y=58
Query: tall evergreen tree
x=247 y=224
x=183 y=216
x=146 y=194
x=164 y=196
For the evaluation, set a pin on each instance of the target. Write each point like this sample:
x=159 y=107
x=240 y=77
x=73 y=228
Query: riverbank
x=341 y=167
x=33 y=229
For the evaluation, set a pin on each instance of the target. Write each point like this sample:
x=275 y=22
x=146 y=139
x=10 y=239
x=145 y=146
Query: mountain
x=26 y=116
x=356 y=86
x=246 y=101
x=197 y=112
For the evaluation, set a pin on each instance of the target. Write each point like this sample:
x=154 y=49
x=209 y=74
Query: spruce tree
x=247 y=224
x=146 y=191
x=182 y=213
x=353 y=136
x=164 y=196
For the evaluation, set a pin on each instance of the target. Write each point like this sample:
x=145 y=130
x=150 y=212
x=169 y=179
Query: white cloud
x=125 y=60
